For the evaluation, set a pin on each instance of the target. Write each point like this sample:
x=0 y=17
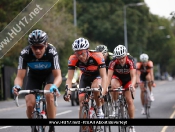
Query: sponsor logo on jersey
x=52 y=51
x=69 y=62
x=24 y=51
x=103 y=60
x=39 y=65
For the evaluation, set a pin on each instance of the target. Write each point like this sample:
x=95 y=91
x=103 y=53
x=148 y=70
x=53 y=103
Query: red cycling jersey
x=122 y=72
x=91 y=68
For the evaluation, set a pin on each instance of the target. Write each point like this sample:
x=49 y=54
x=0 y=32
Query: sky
x=163 y=8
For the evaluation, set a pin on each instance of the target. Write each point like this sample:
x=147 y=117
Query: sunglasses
x=38 y=47
x=80 y=53
x=121 y=58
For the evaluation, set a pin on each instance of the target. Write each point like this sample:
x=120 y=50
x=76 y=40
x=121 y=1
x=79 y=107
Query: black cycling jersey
x=108 y=59
x=42 y=66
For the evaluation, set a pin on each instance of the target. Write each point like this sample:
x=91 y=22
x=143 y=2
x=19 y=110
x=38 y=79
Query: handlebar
x=121 y=89
x=34 y=91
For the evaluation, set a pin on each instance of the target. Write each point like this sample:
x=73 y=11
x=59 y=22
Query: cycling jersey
x=91 y=68
x=108 y=59
x=122 y=72
x=42 y=66
x=144 y=69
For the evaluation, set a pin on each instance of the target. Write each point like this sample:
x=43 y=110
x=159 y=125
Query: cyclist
x=122 y=72
x=107 y=55
x=41 y=59
x=145 y=73
x=75 y=82
x=93 y=68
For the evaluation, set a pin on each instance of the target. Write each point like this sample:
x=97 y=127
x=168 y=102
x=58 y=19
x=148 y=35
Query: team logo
x=24 y=51
x=52 y=51
x=69 y=62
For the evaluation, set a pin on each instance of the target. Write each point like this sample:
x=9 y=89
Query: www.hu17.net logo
x=173 y=14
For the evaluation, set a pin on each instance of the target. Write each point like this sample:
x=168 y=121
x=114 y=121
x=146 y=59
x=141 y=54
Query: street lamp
x=125 y=25
x=75 y=18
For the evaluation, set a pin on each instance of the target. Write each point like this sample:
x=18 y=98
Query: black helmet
x=37 y=37
x=101 y=48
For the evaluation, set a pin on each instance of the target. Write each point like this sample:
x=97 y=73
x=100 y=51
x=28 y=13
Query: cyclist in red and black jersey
x=145 y=73
x=93 y=68
x=122 y=72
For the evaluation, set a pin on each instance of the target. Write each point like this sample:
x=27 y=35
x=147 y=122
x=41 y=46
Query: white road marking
x=61 y=113
x=65 y=112
x=165 y=127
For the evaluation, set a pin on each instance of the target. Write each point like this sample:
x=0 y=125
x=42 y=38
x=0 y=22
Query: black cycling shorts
x=86 y=80
x=37 y=82
x=143 y=76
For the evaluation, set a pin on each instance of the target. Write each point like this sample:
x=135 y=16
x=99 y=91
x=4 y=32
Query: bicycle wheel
x=121 y=115
x=146 y=106
x=107 y=109
x=37 y=128
x=85 y=115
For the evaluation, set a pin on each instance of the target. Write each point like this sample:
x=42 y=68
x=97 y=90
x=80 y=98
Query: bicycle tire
x=146 y=101
x=85 y=115
x=37 y=128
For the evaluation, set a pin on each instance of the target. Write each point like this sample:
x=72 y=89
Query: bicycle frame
x=147 y=101
x=38 y=109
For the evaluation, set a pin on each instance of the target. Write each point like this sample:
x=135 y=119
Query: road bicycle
x=40 y=111
x=120 y=107
x=89 y=109
x=147 y=101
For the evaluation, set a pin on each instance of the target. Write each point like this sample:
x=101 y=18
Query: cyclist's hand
x=153 y=84
x=102 y=98
x=67 y=97
x=54 y=88
x=136 y=85
x=16 y=89
x=132 y=88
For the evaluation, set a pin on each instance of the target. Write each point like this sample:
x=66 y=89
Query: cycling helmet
x=144 y=57
x=101 y=48
x=37 y=37
x=80 y=44
x=120 y=51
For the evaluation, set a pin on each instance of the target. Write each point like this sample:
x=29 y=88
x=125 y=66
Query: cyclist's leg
x=115 y=83
x=51 y=109
x=148 y=78
x=32 y=83
x=84 y=82
x=142 y=89
x=129 y=100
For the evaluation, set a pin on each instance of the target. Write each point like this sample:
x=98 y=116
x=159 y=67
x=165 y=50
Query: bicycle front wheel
x=37 y=128
x=85 y=115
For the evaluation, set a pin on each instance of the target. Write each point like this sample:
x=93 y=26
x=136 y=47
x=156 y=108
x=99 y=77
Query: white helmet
x=144 y=57
x=120 y=51
x=80 y=44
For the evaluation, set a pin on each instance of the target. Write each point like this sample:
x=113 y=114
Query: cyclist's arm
x=138 y=76
x=57 y=77
x=69 y=78
x=20 y=77
x=104 y=80
x=133 y=76
x=110 y=73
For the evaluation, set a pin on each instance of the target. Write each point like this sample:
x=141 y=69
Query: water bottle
x=43 y=114
x=91 y=113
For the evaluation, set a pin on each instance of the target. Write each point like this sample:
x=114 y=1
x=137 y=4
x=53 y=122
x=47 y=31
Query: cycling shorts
x=37 y=82
x=123 y=83
x=86 y=80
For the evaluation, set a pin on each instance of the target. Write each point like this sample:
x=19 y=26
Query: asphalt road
x=162 y=107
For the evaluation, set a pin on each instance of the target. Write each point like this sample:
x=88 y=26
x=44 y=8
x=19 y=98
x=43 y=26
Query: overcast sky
x=161 y=7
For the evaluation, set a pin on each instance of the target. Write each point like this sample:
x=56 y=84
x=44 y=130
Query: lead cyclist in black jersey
x=40 y=60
